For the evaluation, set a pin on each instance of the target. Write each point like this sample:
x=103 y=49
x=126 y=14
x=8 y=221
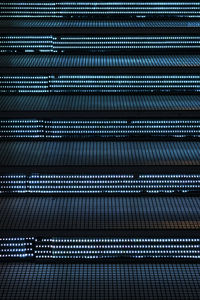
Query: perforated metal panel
x=113 y=213
x=99 y=153
x=39 y=23
x=99 y=102
x=40 y=281
x=44 y=61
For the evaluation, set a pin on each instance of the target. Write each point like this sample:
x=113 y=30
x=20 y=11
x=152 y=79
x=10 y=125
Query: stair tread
x=108 y=153
x=99 y=281
x=107 y=61
x=99 y=103
x=99 y=213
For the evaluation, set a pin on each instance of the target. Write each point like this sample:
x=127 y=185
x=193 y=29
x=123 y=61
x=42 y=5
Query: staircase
x=99 y=150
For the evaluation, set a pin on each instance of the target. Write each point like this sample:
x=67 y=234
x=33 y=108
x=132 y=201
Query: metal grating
x=121 y=61
x=39 y=23
x=99 y=153
x=99 y=281
x=100 y=213
x=99 y=102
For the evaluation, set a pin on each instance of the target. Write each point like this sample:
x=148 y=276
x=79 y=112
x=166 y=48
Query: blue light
x=46 y=129
x=89 y=84
x=55 y=44
x=100 y=184
x=97 y=248
x=128 y=9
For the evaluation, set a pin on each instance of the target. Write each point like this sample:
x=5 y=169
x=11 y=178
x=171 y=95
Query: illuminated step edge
x=89 y=84
x=103 y=9
x=99 y=184
x=55 y=44
x=84 y=129
x=98 y=248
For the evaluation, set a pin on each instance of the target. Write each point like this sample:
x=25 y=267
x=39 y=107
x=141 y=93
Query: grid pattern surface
x=98 y=102
x=99 y=281
x=95 y=23
x=71 y=61
x=99 y=213
x=99 y=153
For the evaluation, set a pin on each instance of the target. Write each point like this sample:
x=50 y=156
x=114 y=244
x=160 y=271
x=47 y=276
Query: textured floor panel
x=101 y=281
x=72 y=61
x=96 y=23
x=99 y=213
x=99 y=153
x=98 y=102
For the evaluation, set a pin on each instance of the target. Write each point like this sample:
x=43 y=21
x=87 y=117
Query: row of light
x=16 y=121
x=97 y=186
x=50 y=43
x=142 y=250
x=106 y=176
x=99 y=77
x=59 y=129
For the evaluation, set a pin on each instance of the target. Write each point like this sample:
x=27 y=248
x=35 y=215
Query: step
x=99 y=106
x=99 y=213
x=100 y=229
x=109 y=64
x=63 y=26
x=99 y=167
x=99 y=281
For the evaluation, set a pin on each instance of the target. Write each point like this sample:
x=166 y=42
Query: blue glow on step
x=90 y=84
x=48 y=44
x=98 y=248
x=58 y=129
x=99 y=184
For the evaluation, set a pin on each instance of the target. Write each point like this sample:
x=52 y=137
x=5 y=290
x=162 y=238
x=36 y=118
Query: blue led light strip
x=98 y=248
x=99 y=184
x=45 y=129
x=99 y=83
x=62 y=9
x=54 y=44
